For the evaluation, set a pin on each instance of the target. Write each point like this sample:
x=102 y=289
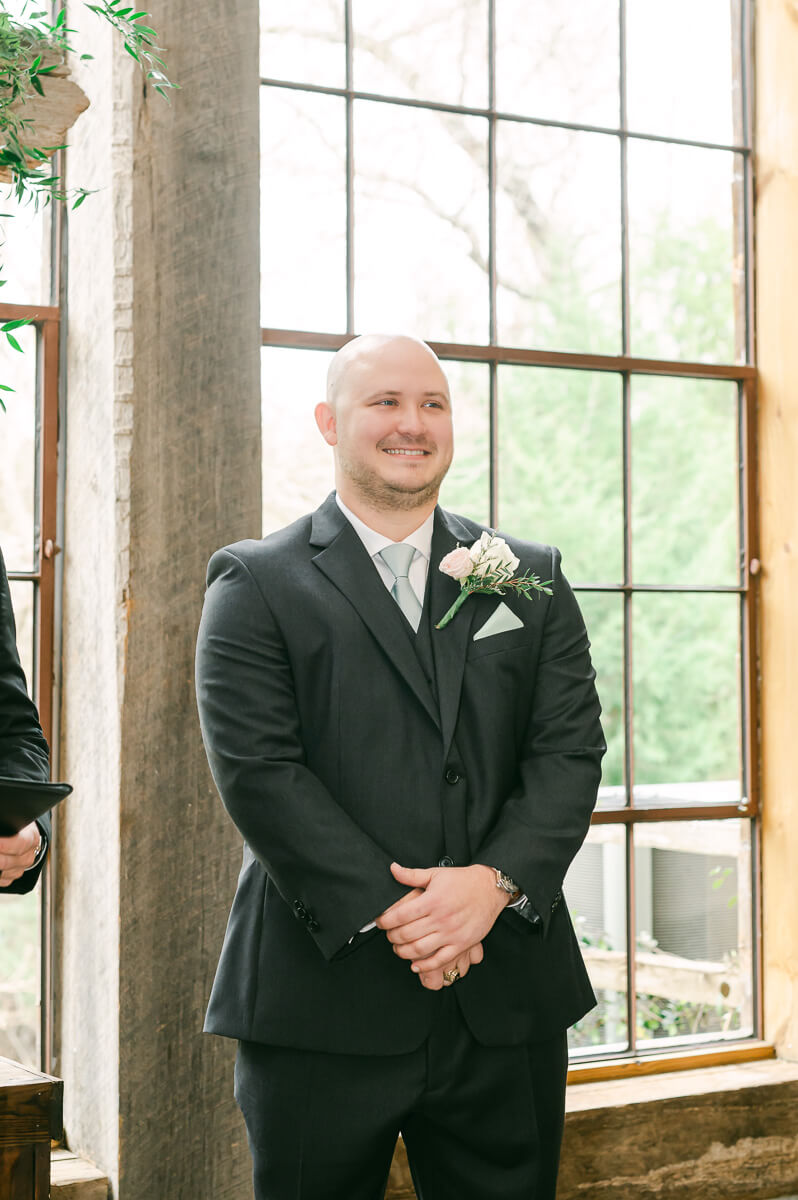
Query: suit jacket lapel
x=449 y=645
x=345 y=562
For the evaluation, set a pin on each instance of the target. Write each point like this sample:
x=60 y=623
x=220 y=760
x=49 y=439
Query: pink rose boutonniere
x=487 y=566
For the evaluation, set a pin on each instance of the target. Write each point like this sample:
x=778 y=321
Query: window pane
x=679 y=69
x=304 y=41
x=603 y=614
x=685 y=479
x=17 y=451
x=425 y=49
x=421 y=222
x=686 y=672
x=303 y=211
x=693 y=926
x=24 y=253
x=22 y=601
x=686 y=260
x=559 y=62
x=595 y=889
x=466 y=489
x=297 y=462
x=558 y=239
x=20 y=1003
x=560 y=466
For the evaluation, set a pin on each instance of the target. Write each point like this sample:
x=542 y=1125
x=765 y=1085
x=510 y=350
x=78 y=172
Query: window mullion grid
x=746 y=122
x=493 y=370
x=350 y=173
x=494 y=444
x=750 y=592
x=493 y=338
x=742 y=545
x=631 y=941
x=628 y=698
x=463 y=110
x=631 y=986
x=46 y=503
x=750 y=670
x=624 y=180
x=746 y=390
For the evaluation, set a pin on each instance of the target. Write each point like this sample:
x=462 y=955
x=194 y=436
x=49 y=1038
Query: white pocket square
x=501 y=620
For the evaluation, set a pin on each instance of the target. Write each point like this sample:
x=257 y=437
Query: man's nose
x=411 y=420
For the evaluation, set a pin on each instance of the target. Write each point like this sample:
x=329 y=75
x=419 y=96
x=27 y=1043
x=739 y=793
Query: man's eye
x=432 y=404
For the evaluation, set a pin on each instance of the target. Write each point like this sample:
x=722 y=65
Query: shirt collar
x=420 y=539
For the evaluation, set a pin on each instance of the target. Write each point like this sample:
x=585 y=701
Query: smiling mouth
x=408 y=453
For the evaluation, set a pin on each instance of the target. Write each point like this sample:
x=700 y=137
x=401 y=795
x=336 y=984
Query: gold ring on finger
x=452 y=976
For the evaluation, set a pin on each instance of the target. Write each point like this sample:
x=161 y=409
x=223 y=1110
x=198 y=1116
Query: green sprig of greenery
x=496 y=582
x=23 y=47
x=138 y=40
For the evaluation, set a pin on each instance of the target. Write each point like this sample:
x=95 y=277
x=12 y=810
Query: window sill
x=726 y=1132
x=657 y=1064
x=73 y=1178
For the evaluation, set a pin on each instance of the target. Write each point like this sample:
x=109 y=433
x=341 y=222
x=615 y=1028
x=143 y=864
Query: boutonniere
x=487 y=566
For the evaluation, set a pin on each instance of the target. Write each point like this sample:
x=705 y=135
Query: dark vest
x=456 y=850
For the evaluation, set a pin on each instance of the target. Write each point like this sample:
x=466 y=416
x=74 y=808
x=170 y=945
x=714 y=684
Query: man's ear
x=325 y=419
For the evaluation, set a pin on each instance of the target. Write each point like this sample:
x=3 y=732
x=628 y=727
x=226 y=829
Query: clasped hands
x=18 y=853
x=441 y=922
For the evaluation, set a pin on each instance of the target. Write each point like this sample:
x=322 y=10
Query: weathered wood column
x=163 y=466
x=777 y=296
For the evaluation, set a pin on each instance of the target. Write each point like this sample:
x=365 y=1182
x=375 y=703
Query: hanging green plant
x=39 y=103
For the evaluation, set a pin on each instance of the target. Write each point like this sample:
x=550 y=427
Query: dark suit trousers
x=478 y=1122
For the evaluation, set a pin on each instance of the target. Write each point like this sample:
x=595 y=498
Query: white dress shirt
x=420 y=539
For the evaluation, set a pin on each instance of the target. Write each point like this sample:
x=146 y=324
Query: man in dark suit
x=398 y=955
x=24 y=753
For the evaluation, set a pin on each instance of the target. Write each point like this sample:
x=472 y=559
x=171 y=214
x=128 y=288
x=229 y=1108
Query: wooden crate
x=30 y=1116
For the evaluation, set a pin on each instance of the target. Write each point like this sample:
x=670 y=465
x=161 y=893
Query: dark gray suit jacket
x=24 y=753
x=335 y=755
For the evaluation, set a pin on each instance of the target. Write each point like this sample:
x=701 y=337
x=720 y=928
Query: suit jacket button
x=313 y=924
x=451 y=776
x=446 y=861
x=300 y=912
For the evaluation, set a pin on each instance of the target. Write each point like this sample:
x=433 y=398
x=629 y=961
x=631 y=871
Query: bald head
x=388 y=418
x=364 y=351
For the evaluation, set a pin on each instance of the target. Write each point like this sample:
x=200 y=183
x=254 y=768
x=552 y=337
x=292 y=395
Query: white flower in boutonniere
x=488 y=566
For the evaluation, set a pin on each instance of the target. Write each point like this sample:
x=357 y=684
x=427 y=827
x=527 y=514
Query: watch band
x=507 y=884
x=41 y=850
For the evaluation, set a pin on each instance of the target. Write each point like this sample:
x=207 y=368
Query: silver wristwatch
x=507 y=884
x=41 y=850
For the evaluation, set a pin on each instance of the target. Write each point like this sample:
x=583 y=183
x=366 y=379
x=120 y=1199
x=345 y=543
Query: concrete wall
x=163 y=466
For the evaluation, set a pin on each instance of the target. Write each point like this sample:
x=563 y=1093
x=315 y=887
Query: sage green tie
x=397 y=559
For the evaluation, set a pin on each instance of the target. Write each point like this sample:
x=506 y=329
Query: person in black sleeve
x=24 y=754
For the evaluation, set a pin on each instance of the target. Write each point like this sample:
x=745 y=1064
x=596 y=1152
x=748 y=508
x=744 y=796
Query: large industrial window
x=558 y=199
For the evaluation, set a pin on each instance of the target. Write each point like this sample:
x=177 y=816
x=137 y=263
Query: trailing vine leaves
x=138 y=40
x=27 y=49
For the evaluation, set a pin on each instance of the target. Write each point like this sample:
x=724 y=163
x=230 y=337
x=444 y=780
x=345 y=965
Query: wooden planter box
x=30 y=1116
